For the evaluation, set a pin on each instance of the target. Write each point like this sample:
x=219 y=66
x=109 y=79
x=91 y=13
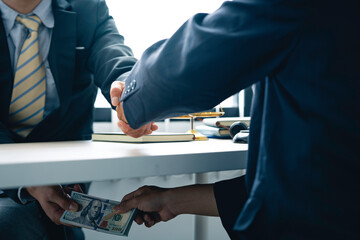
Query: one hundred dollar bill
x=97 y=214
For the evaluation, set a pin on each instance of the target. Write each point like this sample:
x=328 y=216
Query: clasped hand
x=116 y=90
x=54 y=200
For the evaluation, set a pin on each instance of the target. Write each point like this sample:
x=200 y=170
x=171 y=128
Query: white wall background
x=144 y=22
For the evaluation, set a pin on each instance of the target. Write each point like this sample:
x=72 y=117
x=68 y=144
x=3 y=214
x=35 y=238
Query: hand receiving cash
x=97 y=214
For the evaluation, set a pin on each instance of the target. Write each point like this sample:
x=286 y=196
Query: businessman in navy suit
x=302 y=179
x=81 y=51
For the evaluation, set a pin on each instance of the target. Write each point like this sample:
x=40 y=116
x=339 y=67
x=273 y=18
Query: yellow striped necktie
x=28 y=95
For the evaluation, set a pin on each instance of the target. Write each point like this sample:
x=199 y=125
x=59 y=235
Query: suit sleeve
x=230 y=196
x=110 y=59
x=213 y=56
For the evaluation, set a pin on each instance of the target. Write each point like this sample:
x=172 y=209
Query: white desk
x=28 y=164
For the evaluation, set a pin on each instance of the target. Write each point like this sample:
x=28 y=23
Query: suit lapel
x=6 y=76
x=62 y=50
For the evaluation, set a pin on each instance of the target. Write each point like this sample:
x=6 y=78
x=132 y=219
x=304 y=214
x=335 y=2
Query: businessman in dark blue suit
x=302 y=179
x=82 y=51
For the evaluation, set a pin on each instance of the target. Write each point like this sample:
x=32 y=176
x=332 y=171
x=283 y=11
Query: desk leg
x=201 y=222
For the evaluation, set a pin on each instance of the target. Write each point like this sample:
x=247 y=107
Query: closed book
x=213 y=131
x=154 y=137
x=225 y=122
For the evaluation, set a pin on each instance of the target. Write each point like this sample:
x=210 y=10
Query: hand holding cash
x=157 y=204
x=154 y=204
x=98 y=214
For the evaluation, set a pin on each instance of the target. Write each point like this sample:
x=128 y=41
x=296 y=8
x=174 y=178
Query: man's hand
x=54 y=200
x=125 y=127
x=162 y=204
x=116 y=90
x=151 y=201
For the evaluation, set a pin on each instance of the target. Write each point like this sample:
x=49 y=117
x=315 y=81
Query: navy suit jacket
x=302 y=178
x=86 y=53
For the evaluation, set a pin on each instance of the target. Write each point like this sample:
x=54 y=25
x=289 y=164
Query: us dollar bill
x=97 y=214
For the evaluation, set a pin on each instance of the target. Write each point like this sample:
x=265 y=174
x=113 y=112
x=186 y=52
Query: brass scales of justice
x=192 y=116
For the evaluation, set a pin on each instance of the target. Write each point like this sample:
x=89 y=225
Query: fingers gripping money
x=98 y=214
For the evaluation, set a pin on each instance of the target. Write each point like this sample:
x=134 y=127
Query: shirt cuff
x=24 y=196
x=123 y=76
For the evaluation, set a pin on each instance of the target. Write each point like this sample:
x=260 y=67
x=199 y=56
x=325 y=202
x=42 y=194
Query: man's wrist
x=174 y=201
x=192 y=199
x=121 y=114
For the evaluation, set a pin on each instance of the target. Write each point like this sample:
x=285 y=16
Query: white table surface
x=27 y=164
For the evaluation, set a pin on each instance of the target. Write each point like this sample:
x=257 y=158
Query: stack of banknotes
x=97 y=214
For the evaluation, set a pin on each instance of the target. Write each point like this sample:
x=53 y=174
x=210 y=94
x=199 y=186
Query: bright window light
x=144 y=22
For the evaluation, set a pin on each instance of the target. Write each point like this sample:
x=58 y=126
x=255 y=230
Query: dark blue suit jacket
x=302 y=178
x=77 y=72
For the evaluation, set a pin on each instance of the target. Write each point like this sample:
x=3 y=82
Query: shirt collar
x=8 y=15
x=43 y=11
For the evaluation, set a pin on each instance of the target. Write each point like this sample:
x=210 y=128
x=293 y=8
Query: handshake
x=116 y=91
